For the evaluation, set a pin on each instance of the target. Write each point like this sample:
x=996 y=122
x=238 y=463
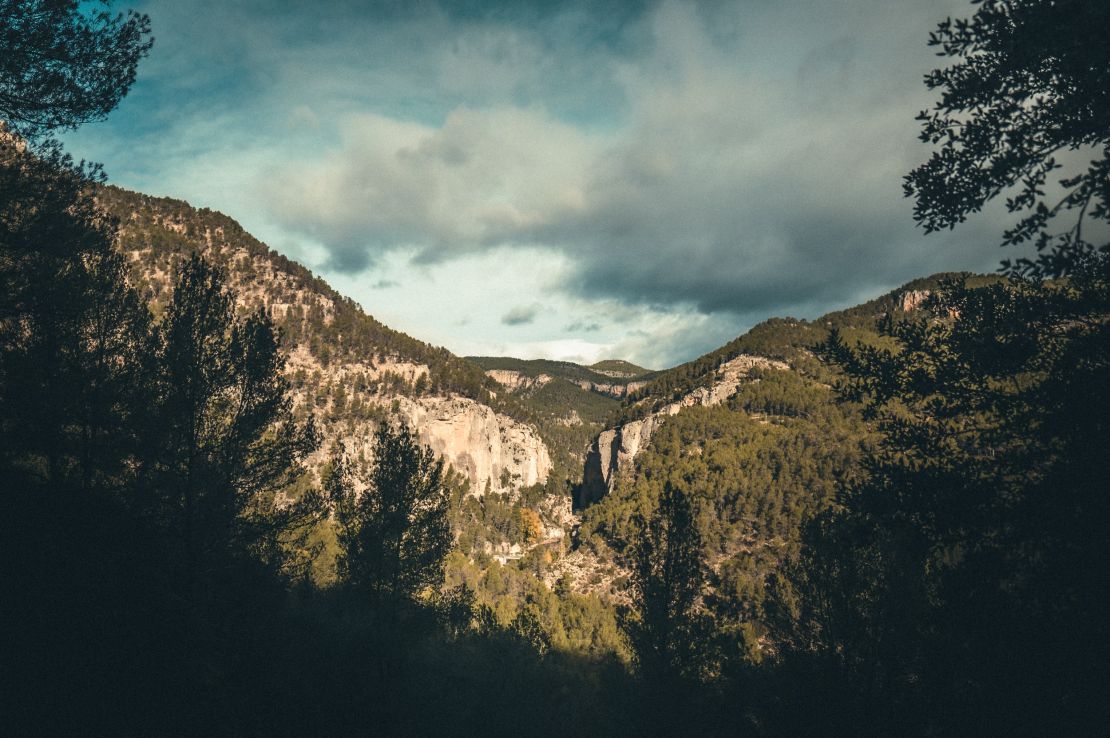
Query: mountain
x=613 y=378
x=619 y=368
x=753 y=431
x=753 y=427
x=781 y=344
x=347 y=369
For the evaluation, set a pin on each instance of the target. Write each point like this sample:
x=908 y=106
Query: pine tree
x=64 y=62
x=229 y=444
x=668 y=576
x=395 y=534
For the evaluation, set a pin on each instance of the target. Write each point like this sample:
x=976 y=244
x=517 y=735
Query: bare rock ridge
x=911 y=300
x=615 y=373
x=494 y=452
x=615 y=449
x=515 y=381
x=618 y=390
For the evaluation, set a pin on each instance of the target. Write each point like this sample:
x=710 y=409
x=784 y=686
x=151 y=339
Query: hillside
x=753 y=424
x=613 y=378
x=347 y=369
x=753 y=430
x=350 y=372
x=784 y=339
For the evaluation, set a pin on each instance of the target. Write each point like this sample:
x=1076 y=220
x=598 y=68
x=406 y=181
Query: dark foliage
x=394 y=534
x=1031 y=83
x=958 y=588
x=64 y=62
x=228 y=442
x=667 y=631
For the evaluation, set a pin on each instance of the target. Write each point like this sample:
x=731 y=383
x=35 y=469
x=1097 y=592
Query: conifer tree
x=64 y=62
x=959 y=584
x=395 y=534
x=229 y=442
x=668 y=576
x=74 y=337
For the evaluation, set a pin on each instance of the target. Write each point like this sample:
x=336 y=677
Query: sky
x=566 y=180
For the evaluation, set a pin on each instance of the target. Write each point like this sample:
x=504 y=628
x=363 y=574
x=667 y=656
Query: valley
x=551 y=459
x=236 y=501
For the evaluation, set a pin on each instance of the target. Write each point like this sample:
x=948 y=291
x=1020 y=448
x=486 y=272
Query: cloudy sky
x=643 y=180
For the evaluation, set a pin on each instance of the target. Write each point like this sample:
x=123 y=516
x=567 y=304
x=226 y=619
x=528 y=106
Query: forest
x=905 y=533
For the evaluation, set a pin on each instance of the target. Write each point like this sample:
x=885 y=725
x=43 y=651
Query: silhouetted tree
x=230 y=444
x=74 y=337
x=394 y=534
x=969 y=554
x=1029 y=85
x=958 y=586
x=76 y=382
x=668 y=575
x=64 y=62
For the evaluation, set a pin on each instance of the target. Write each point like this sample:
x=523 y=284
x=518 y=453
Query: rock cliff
x=614 y=449
x=618 y=390
x=912 y=299
x=493 y=451
x=515 y=381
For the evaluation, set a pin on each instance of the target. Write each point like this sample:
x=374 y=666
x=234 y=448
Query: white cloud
x=483 y=179
x=733 y=183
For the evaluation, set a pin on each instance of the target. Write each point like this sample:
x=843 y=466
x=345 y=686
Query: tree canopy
x=64 y=62
x=958 y=582
x=1028 y=94
x=395 y=534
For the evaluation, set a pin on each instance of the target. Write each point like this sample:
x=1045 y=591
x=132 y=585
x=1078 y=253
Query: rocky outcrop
x=619 y=390
x=615 y=373
x=513 y=380
x=615 y=449
x=912 y=299
x=494 y=452
x=346 y=392
x=584 y=573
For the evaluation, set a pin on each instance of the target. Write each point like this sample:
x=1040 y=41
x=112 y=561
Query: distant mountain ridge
x=619 y=368
x=784 y=339
x=614 y=377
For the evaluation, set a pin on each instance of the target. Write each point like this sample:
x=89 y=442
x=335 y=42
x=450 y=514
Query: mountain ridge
x=347 y=369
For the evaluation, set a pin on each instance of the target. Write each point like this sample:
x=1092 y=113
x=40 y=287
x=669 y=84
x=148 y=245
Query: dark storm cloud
x=757 y=165
x=521 y=315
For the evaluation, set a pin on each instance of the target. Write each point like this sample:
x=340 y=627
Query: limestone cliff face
x=493 y=451
x=513 y=380
x=613 y=389
x=912 y=299
x=616 y=448
x=614 y=373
